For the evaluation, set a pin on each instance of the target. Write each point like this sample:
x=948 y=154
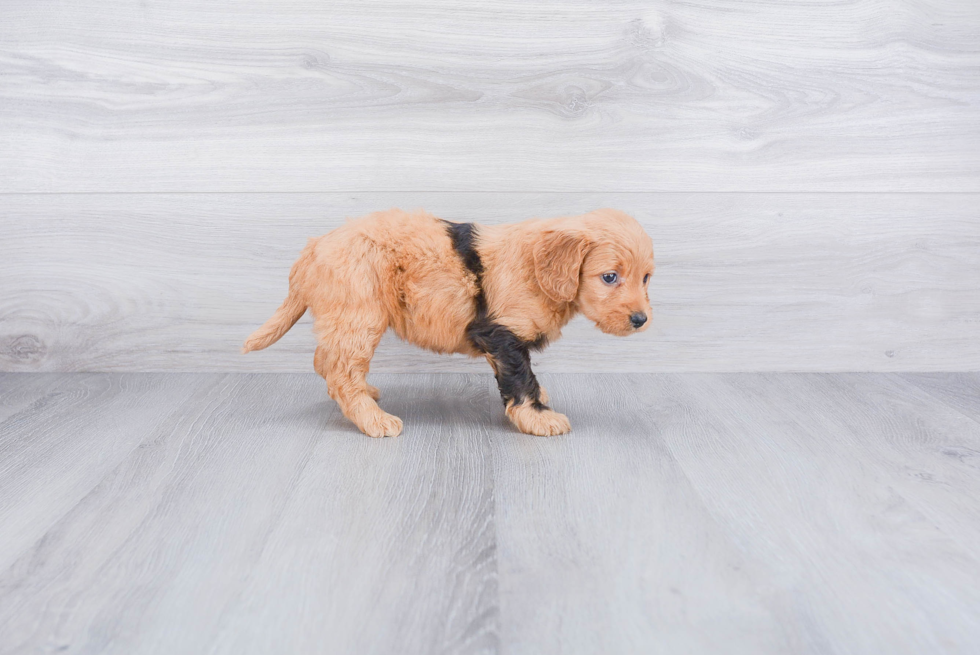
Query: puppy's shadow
x=424 y=409
x=438 y=406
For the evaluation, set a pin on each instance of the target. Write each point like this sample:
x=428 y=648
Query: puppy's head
x=602 y=262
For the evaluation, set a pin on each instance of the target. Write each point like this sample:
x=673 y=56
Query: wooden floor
x=685 y=513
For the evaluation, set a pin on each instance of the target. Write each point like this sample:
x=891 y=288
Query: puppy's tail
x=289 y=312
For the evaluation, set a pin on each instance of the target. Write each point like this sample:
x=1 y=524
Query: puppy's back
x=404 y=264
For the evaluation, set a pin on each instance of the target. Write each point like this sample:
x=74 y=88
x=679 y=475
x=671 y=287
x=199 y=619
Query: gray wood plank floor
x=695 y=513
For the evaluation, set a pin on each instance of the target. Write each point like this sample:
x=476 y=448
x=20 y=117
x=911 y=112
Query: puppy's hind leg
x=344 y=356
x=320 y=366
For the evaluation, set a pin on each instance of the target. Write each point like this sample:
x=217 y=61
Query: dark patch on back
x=463 y=236
x=511 y=354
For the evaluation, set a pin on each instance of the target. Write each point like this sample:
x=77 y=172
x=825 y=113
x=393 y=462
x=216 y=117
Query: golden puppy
x=497 y=291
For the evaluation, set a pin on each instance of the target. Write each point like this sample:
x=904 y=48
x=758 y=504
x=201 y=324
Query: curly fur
x=496 y=291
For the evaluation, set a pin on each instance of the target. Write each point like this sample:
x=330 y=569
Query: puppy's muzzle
x=637 y=319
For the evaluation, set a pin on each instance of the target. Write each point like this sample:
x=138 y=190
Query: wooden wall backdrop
x=810 y=172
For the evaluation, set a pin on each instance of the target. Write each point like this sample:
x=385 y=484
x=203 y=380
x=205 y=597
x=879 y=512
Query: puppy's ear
x=558 y=256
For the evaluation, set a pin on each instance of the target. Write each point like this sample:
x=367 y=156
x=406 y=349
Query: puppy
x=494 y=291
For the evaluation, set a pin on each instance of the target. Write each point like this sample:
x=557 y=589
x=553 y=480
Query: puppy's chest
x=536 y=328
x=514 y=302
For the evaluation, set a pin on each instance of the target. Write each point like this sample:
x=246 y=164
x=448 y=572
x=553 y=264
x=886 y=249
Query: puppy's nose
x=638 y=319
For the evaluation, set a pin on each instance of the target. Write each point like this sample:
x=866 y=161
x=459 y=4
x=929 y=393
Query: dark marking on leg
x=510 y=354
x=512 y=360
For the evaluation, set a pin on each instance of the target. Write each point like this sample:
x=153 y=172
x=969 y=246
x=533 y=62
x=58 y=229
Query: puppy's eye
x=610 y=277
x=646 y=278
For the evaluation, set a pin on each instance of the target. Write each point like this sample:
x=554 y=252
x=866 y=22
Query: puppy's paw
x=374 y=392
x=380 y=424
x=539 y=422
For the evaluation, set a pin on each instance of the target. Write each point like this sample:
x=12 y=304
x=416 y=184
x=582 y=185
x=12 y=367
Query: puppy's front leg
x=523 y=397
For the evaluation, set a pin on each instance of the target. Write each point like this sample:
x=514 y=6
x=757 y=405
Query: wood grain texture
x=604 y=545
x=695 y=513
x=961 y=392
x=906 y=441
x=58 y=451
x=744 y=281
x=258 y=520
x=26 y=393
x=853 y=554
x=391 y=541
x=299 y=95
